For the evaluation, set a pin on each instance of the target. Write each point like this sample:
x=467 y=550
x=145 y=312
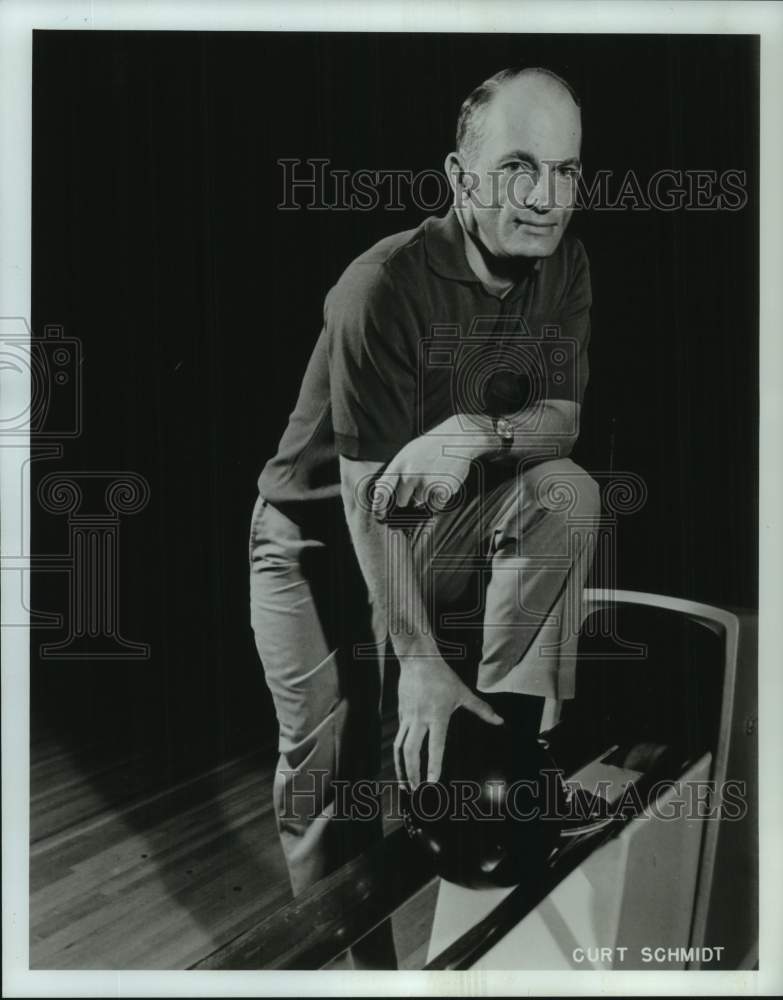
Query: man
x=435 y=421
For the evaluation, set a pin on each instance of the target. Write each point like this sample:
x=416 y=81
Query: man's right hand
x=429 y=691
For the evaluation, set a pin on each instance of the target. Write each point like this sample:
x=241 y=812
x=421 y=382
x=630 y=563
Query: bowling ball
x=495 y=815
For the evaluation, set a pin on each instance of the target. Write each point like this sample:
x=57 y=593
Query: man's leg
x=530 y=535
x=541 y=550
x=306 y=613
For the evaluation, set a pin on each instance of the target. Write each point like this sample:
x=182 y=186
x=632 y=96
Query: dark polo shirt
x=411 y=337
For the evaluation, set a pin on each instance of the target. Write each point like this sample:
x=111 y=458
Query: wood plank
x=168 y=876
x=164 y=897
x=317 y=925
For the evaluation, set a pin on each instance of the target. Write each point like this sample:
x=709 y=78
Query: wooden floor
x=126 y=875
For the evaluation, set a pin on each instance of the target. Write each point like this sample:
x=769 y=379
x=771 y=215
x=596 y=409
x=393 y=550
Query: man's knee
x=306 y=702
x=557 y=494
x=560 y=486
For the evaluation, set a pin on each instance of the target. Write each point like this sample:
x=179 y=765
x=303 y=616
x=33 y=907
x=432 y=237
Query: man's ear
x=460 y=179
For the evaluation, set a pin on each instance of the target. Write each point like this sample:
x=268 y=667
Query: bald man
x=425 y=472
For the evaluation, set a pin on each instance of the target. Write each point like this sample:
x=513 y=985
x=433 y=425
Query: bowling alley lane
x=126 y=874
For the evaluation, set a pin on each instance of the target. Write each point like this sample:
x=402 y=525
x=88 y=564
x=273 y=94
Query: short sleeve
x=372 y=364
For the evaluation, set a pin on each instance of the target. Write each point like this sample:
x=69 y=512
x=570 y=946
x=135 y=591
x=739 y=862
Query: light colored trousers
x=512 y=557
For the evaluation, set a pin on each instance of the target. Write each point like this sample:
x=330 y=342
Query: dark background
x=157 y=243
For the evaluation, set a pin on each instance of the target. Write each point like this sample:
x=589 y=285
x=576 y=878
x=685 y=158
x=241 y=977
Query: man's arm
x=445 y=453
x=548 y=430
x=429 y=690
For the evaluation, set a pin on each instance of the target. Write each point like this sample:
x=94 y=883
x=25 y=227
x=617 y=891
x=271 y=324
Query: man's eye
x=571 y=172
x=527 y=168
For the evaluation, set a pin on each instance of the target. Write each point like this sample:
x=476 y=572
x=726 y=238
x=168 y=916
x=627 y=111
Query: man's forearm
x=549 y=430
x=386 y=560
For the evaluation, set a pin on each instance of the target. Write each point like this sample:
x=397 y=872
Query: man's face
x=524 y=168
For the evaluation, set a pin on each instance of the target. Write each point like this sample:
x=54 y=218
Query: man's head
x=516 y=163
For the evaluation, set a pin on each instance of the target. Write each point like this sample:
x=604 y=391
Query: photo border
x=17 y=20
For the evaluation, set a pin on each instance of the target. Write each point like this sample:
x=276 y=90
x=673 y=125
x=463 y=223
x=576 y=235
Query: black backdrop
x=157 y=243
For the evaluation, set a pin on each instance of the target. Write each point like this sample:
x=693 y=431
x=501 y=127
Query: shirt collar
x=445 y=247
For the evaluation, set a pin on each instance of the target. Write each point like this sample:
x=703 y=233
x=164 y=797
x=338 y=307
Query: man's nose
x=537 y=197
